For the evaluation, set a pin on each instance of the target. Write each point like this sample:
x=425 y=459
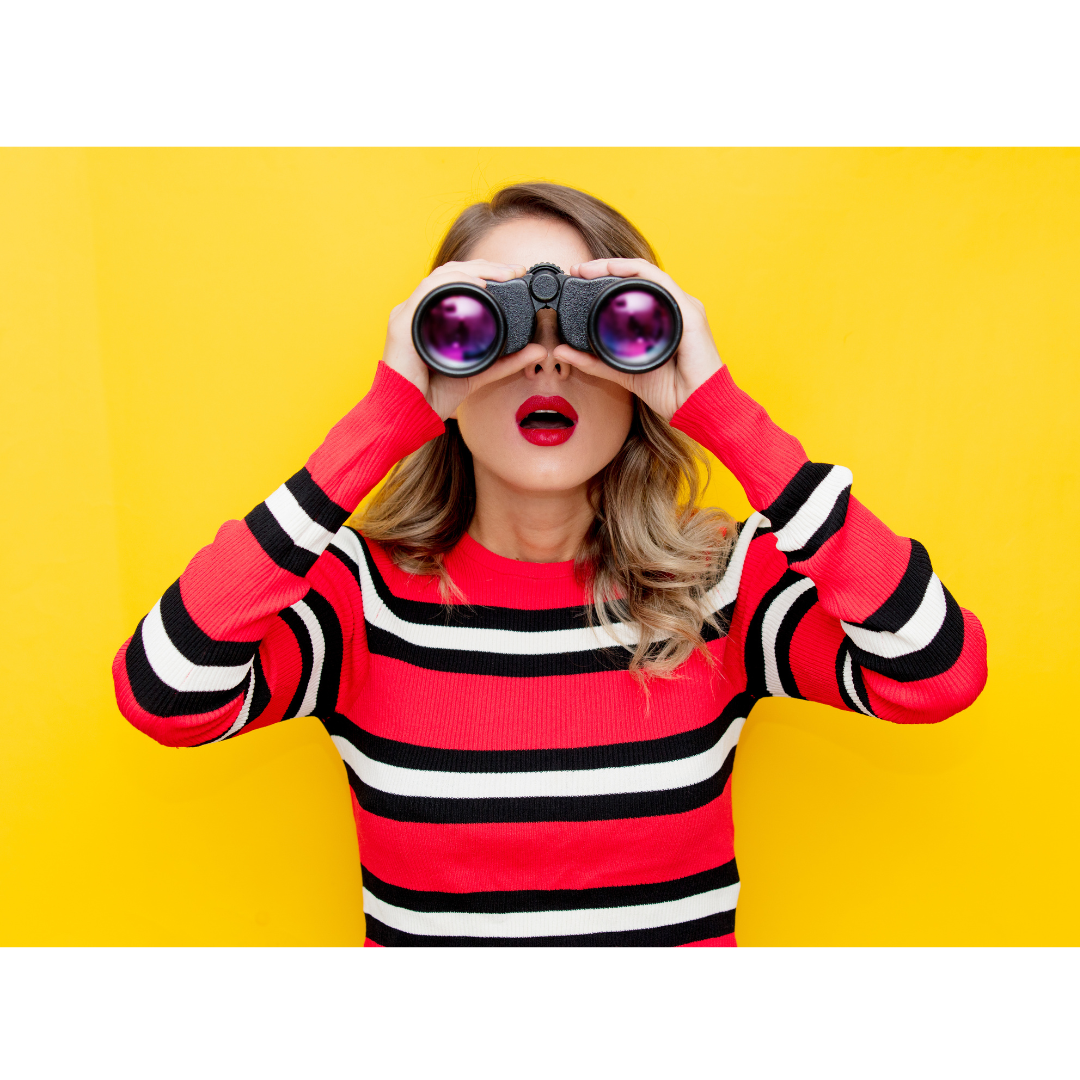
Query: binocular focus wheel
x=459 y=330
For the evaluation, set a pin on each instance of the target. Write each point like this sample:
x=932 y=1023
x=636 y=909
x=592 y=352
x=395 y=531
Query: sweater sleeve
x=832 y=605
x=257 y=626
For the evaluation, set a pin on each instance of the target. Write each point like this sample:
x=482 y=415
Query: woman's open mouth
x=546 y=421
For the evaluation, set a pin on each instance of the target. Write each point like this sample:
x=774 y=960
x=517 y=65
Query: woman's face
x=550 y=427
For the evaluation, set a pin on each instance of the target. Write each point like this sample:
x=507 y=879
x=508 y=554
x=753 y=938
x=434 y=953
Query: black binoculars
x=633 y=325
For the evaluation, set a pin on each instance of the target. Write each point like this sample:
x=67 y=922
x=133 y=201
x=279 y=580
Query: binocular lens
x=459 y=331
x=635 y=328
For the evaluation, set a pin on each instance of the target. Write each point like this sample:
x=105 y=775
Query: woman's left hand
x=667 y=387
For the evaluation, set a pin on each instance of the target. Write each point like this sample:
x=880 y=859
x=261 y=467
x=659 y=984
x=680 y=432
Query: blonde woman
x=534 y=650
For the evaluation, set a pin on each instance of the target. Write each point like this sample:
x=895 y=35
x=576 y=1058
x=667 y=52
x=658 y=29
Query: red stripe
x=477 y=712
x=814 y=645
x=863 y=563
x=487 y=578
x=548 y=854
x=256 y=584
x=282 y=667
x=726 y=942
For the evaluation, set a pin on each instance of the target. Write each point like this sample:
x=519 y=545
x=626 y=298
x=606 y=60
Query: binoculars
x=632 y=325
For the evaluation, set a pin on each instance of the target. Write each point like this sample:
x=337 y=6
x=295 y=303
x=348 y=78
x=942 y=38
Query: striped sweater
x=511 y=782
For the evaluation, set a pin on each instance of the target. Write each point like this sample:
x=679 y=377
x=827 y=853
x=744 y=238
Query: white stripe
x=176 y=670
x=294 y=519
x=915 y=634
x=812 y=514
x=550 y=923
x=476 y=639
x=849 y=685
x=618 y=780
x=318 y=648
x=770 y=627
x=727 y=588
x=245 y=710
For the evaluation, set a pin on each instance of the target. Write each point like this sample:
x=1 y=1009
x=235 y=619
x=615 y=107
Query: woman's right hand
x=443 y=393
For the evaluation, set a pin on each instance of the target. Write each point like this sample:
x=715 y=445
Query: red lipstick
x=546 y=421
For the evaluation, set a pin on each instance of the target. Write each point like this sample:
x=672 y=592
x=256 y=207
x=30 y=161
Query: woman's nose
x=547 y=334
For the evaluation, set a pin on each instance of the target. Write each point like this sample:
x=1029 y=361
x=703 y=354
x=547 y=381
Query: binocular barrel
x=632 y=325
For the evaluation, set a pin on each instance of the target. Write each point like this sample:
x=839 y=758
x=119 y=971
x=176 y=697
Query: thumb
x=588 y=364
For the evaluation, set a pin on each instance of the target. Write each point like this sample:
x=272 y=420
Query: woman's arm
x=257 y=627
x=229 y=644
x=833 y=605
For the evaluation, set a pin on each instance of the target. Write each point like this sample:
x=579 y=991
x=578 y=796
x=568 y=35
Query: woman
x=536 y=652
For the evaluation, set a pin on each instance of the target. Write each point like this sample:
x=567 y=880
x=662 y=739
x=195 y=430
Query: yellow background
x=179 y=328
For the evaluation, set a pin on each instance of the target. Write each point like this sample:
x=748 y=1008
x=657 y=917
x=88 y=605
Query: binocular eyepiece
x=632 y=325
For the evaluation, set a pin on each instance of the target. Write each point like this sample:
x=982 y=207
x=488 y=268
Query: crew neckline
x=474 y=550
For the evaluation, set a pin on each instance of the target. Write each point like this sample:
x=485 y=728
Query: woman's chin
x=541 y=477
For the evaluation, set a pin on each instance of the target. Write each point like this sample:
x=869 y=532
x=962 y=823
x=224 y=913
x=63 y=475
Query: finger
x=477 y=272
x=615 y=268
x=627 y=268
x=588 y=364
x=506 y=366
x=434 y=280
x=480 y=268
x=443 y=276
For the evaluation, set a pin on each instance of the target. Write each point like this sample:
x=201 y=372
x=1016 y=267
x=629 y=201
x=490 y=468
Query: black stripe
x=856 y=678
x=505 y=665
x=860 y=687
x=754 y=653
x=799 y=488
x=803 y=603
x=307 y=658
x=841 y=656
x=160 y=699
x=217 y=738
x=509 y=665
x=333 y=651
x=908 y=594
x=516 y=900
x=315 y=502
x=260 y=698
x=829 y=527
x=931 y=660
x=192 y=642
x=277 y=543
x=261 y=695
x=636 y=804
x=606 y=756
x=661 y=936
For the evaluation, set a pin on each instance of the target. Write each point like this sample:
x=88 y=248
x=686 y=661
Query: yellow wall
x=178 y=329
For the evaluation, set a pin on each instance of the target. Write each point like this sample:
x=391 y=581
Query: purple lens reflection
x=459 y=330
x=635 y=327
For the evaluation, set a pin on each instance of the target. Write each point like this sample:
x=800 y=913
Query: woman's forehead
x=529 y=240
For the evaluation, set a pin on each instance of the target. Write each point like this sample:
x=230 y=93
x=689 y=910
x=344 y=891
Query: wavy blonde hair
x=652 y=553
